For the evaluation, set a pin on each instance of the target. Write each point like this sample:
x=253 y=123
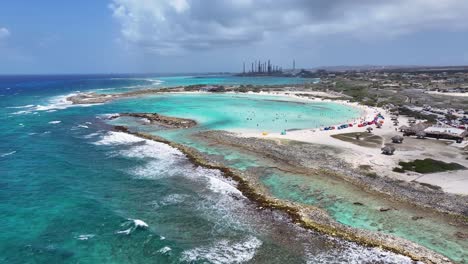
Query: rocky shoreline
x=304 y=158
x=165 y=121
x=97 y=98
x=308 y=217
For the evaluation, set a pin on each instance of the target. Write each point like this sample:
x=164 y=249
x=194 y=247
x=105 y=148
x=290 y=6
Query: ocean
x=72 y=191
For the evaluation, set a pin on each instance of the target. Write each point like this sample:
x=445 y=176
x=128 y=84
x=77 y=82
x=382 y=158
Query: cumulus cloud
x=174 y=26
x=4 y=33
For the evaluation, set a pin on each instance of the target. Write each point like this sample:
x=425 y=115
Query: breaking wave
x=224 y=252
x=165 y=161
x=132 y=225
x=55 y=103
x=8 y=153
x=351 y=253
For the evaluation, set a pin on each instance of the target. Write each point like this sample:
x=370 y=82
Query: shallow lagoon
x=246 y=112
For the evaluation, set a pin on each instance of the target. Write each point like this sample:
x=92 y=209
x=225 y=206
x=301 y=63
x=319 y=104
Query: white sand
x=382 y=164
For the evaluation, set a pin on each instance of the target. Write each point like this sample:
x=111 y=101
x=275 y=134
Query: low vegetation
x=427 y=166
x=417 y=115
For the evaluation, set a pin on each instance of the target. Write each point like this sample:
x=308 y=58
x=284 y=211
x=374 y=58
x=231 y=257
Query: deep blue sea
x=72 y=191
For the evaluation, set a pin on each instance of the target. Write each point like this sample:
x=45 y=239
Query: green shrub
x=427 y=166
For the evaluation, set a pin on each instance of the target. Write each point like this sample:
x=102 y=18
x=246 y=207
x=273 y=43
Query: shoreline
x=303 y=159
x=357 y=155
x=307 y=216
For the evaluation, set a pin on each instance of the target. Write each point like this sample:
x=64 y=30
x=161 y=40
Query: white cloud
x=173 y=26
x=4 y=33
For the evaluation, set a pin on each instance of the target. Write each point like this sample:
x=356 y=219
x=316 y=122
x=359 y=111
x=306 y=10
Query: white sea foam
x=224 y=252
x=91 y=135
x=57 y=102
x=216 y=184
x=351 y=253
x=22 y=112
x=164 y=250
x=166 y=161
x=19 y=107
x=173 y=198
x=55 y=122
x=118 y=138
x=82 y=126
x=132 y=224
x=139 y=223
x=125 y=232
x=85 y=237
x=8 y=153
x=107 y=116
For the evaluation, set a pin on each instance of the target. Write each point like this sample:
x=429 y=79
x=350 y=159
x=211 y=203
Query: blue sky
x=107 y=36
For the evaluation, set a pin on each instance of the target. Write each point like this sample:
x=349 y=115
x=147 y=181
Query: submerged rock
x=384 y=209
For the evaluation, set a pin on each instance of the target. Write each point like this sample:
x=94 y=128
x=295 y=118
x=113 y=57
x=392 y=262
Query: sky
x=171 y=36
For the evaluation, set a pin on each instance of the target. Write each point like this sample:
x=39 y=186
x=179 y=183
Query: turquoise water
x=73 y=192
x=233 y=112
x=245 y=112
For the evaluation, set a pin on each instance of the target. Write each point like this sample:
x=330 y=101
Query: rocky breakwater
x=98 y=98
x=308 y=217
x=161 y=120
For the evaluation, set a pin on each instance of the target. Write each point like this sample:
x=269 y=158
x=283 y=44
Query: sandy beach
x=447 y=151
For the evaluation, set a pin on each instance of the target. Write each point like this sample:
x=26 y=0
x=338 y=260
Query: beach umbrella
x=388 y=150
x=397 y=139
x=403 y=128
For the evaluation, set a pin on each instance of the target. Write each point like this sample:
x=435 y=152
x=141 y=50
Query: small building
x=415 y=128
x=446 y=132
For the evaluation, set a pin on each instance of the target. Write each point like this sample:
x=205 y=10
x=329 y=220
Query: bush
x=427 y=166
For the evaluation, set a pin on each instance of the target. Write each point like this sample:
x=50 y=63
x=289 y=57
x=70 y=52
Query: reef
x=310 y=159
x=165 y=121
x=98 y=98
x=306 y=216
